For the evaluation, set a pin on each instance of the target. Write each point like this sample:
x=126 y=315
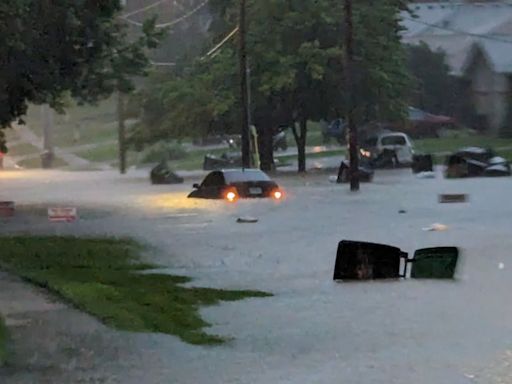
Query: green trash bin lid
x=435 y=263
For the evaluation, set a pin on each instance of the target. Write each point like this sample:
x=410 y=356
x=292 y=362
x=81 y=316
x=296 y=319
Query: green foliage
x=105 y=278
x=75 y=48
x=296 y=58
x=434 y=89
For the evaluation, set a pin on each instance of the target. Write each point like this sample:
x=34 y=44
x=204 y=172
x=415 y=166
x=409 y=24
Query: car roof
x=392 y=134
x=241 y=174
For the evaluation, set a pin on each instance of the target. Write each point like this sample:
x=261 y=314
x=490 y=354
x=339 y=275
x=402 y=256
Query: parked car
x=336 y=130
x=388 y=149
x=235 y=184
x=475 y=162
x=280 y=140
x=226 y=160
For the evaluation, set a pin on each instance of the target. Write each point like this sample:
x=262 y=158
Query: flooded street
x=313 y=330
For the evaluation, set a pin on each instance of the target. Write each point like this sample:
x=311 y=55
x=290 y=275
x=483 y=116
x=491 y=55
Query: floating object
x=501 y=266
x=426 y=175
x=247 y=220
x=7 y=208
x=62 y=214
x=453 y=198
x=436 y=227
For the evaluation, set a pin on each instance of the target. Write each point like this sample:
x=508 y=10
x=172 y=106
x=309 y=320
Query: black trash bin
x=422 y=163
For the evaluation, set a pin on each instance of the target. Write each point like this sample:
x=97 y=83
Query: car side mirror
x=434 y=263
x=368 y=261
x=195 y=186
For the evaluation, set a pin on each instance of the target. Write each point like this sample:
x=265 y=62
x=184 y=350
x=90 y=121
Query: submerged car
x=476 y=162
x=235 y=184
x=389 y=149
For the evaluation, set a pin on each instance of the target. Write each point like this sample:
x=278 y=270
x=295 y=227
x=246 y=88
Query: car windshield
x=244 y=176
x=393 y=140
x=371 y=142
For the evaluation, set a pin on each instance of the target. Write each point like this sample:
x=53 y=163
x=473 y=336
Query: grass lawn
x=102 y=153
x=35 y=162
x=454 y=143
x=105 y=278
x=95 y=123
x=3 y=341
x=23 y=149
x=194 y=159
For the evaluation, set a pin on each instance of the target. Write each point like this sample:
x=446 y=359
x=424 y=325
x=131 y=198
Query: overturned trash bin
x=356 y=260
x=367 y=261
x=476 y=162
x=422 y=163
x=162 y=174
x=365 y=173
x=434 y=263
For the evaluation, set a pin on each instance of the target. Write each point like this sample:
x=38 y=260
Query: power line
x=174 y=22
x=126 y=15
x=209 y=54
x=476 y=35
x=221 y=44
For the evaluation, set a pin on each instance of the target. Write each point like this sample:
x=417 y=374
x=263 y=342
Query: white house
x=476 y=37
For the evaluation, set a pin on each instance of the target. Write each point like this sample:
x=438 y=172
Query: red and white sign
x=62 y=215
x=7 y=208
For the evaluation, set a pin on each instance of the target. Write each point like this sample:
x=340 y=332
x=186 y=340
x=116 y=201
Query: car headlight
x=365 y=153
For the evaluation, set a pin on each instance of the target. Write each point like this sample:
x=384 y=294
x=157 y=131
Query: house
x=476 y=37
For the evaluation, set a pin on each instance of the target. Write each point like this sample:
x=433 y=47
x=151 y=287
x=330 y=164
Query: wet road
x=313 y=330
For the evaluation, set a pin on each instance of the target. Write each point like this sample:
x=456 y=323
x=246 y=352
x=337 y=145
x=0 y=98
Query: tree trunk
x=300 y=139
x=266 y=143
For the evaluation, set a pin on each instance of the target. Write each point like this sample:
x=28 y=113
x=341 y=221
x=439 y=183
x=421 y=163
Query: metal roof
x=454 y=27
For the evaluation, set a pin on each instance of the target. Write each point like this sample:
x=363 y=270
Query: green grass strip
x=105 y=278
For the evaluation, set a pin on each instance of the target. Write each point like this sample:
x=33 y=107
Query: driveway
x=313 y=330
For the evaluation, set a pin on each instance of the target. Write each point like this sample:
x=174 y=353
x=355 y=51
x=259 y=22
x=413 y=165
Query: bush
x=163 y=151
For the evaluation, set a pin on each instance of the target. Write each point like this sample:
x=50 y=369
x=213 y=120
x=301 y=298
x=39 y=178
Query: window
x=214 y=179
x=242 y=176
x=371 y=142
x=393 y=140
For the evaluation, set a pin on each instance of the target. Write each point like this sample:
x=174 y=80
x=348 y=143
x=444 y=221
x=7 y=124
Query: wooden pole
x=121 y=132
x=244 y=96
x=352 y=127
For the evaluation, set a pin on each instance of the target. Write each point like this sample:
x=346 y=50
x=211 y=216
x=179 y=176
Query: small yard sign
x=62 y=214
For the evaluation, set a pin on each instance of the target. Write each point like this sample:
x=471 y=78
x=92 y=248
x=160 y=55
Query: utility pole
x=121 y=132
x=352 y=128
x=244 y=97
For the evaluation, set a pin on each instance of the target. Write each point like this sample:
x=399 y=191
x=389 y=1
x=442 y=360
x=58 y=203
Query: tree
x=296 y=58
x=196 y=101
x=78 y=47
x=435 y=89
x=296 y=55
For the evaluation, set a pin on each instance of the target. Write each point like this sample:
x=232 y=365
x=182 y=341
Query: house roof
x=454 y=27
